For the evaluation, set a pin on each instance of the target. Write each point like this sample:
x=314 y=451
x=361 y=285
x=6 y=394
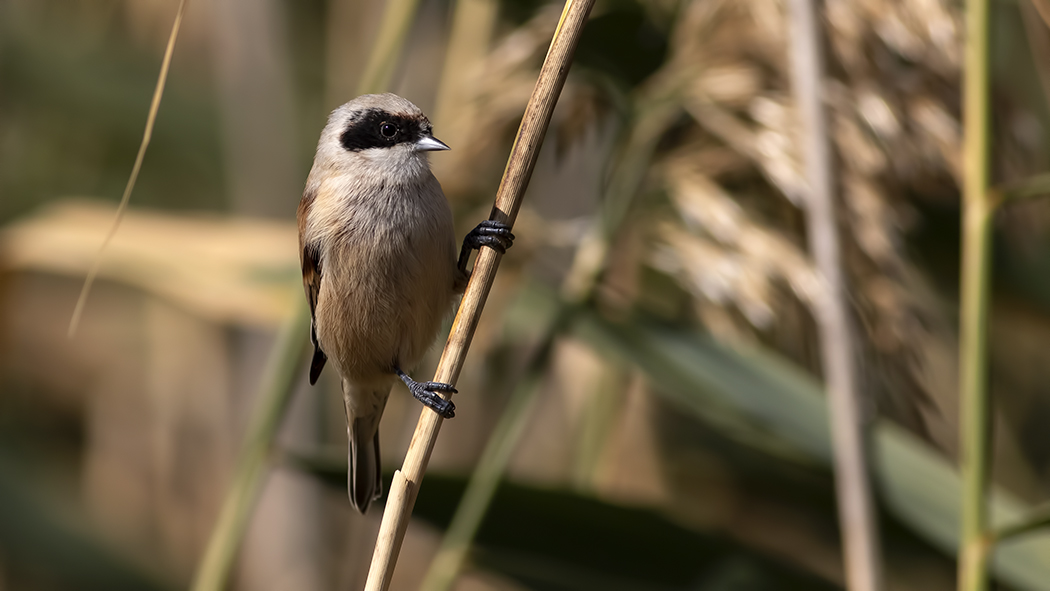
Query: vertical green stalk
x=605 y=397
x=283 y=371
x=978 y=207
x=975 y=420
x=493 y=462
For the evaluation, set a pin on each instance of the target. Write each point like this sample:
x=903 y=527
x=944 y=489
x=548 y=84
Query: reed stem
x=1034 y=186
x=1037 y=518
x=405 y=485
x=860 y=535
x=397 y=21
x=284 y=369
x=975 y=408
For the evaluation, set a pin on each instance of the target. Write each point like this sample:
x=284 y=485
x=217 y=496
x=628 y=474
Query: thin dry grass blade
x=147 y=134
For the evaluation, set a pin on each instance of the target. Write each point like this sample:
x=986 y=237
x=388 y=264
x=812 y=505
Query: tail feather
x=364 y=408
x=364 y=478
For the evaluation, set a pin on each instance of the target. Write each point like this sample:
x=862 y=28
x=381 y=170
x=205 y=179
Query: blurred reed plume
x=725 y=66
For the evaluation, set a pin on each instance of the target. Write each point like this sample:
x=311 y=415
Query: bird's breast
x=388 y=269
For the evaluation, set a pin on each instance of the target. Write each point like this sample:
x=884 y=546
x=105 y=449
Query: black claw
x=435 y=402
x=495 y=235
x=439 y=387
x=427 y=393
x=495 y=242
x=490 y=233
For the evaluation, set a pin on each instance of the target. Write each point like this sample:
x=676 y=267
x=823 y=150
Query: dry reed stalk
x=837 y=339
x=511 y=191
x=147 y=134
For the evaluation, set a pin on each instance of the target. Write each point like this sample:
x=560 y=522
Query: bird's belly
x=385 y=308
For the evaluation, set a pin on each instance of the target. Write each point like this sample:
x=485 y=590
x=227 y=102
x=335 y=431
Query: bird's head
x=378 y=134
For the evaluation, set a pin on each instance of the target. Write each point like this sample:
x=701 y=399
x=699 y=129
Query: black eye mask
x=376 y=128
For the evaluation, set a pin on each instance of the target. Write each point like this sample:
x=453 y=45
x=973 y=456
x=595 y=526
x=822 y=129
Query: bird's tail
x=364 y=408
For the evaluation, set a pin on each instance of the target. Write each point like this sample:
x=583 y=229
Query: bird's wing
x=310 y=257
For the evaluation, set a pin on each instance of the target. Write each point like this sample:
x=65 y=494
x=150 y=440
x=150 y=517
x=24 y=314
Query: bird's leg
x=488 y=233
x=427 y=393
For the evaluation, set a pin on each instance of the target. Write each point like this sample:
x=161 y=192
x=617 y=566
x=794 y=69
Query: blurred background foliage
x=675 y=439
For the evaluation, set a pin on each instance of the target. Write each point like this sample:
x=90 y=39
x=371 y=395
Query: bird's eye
x=388 y=130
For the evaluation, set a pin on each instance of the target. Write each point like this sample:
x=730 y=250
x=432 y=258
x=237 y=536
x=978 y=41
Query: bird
x=380 y=270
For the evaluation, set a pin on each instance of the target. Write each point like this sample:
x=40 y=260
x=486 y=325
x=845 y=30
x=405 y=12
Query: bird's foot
x=489 y=233
x=427 y=393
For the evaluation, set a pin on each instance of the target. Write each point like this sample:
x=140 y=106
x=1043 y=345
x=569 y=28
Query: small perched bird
x=378 y=253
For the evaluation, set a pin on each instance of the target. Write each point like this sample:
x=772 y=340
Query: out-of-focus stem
x=1036 y=519
x=605 y=396
x=483 y=482
x=653 y=113
x=397 y=20
x=1035 y=186
x=852 y=475
x=283 y=372
x=975 y=408
x=473 y=22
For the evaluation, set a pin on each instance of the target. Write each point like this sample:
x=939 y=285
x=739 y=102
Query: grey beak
x=430 y=143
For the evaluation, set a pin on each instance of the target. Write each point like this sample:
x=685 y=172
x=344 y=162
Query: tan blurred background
x=676 y=440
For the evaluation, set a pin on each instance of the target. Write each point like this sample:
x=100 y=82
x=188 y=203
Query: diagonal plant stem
x=654 y=112
x=1043 y=8
x=978 y=207
x=1034 y=186
x=405 y=485
x=1037 y=518
x=288 y=351
x=848 y=427
x=485 y=479
x=1038 y=37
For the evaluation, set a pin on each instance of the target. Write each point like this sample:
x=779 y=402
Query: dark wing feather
x=317 y=364
x=312 y=285
x=311 y=263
